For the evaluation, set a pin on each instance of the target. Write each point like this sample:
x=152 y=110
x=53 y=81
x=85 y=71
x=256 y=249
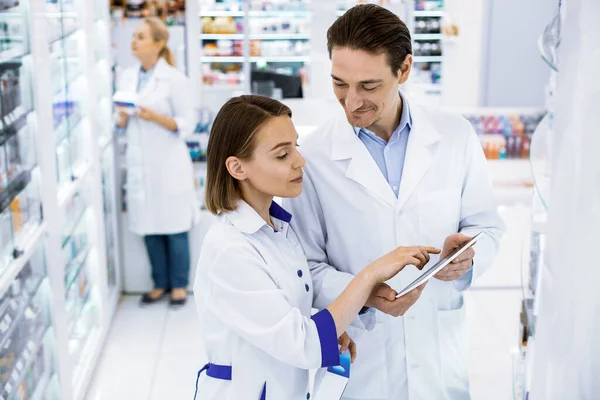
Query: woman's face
x=143 y=45
x=276 y=166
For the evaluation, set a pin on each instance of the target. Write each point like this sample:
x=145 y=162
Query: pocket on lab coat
x=454 y=343
x=368 y=374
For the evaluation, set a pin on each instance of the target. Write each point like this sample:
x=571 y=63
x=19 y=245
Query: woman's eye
x=283 y=157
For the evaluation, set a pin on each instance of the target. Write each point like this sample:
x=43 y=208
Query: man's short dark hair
x=373 y=29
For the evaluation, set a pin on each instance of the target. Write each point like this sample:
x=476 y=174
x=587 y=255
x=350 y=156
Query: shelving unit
x=425 y=23
x=237 y=38
x=534 y=264
x=55 y=287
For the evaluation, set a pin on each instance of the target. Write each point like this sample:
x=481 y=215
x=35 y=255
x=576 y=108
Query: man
x=390 y=174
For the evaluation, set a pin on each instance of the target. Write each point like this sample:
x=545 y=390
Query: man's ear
x=236 y=168
x=405 y=69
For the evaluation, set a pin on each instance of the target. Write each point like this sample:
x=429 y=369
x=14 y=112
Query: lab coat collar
x=246 y=219
x=160 y=71
x=364 y=170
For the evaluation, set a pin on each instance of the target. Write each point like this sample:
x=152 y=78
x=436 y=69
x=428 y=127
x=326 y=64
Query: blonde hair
x=160 y=32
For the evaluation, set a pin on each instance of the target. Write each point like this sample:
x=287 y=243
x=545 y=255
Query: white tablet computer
x=434 y=269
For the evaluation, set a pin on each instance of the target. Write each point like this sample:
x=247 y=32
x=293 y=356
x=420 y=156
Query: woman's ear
x=235 y=168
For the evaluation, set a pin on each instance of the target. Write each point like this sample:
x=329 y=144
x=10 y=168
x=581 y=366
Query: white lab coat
x=161 y=197
x=348 y=216
x=253 y=295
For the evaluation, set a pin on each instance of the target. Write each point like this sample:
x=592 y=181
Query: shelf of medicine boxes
x=20 y=212
x=26 y=342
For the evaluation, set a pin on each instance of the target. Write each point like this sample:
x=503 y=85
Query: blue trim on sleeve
x=276 y=211
x=364 y=310
x=330 y=355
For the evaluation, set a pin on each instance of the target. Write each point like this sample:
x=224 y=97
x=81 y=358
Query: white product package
x=125 y=101
x=330 y=383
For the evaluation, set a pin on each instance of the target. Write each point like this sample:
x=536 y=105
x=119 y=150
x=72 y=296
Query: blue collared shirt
x=144 y=78
x=389 y=156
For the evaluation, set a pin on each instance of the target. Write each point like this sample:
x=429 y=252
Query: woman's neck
x=147 y=65
x=260 y=202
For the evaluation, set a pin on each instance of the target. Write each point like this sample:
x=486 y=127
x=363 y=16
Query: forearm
x=348 y=304
x=166 y=122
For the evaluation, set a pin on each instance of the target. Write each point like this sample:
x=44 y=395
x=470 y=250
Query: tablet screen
x=427 y=273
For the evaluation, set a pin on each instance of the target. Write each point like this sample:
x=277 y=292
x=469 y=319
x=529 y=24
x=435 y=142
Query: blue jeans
x=170 y=260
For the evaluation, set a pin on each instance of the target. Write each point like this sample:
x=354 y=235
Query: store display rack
x=238 y=37
x=58 y=259
x=534 y=264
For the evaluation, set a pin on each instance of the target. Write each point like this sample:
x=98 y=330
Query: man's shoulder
x=319 y=142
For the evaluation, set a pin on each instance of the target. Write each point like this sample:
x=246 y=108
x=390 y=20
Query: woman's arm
x=239 y=289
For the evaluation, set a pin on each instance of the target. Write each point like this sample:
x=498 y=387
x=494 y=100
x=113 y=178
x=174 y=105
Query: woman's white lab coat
x=254 y=294
x=161 y=197
x=348 y=216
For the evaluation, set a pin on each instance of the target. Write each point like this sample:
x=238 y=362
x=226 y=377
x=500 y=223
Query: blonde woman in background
x=160 y=188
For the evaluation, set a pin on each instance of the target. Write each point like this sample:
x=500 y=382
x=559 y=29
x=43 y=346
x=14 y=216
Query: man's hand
x=461 y=264
x=346 y=343
x=383 y=298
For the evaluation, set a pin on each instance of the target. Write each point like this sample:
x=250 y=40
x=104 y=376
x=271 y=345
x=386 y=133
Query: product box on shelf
x=505 y=135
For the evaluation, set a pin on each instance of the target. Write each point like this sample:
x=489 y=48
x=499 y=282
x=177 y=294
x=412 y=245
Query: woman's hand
x=146 y=114
x=346 y=343
x=122 y=119
x=393 y=262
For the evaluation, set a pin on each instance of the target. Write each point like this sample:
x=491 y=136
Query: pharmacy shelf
x=279 y=36
x=41 y=387
x=284 y=59
x=25 y=361
x=15 y=52
x=70 y=188
x=271 y=59
x=10 y=273
x=90 y=354
x=279 y=13
x=222 y=36
x=223 y=59
x=425 y=14
x=424 y=59
x=428 y=36
x=215 y=13
x=221 y=88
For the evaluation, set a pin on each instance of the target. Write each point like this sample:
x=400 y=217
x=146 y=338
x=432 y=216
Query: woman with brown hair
x=253 y=288
x=160 y=185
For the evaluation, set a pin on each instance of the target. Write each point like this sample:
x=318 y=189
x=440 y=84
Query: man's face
x=365 y=85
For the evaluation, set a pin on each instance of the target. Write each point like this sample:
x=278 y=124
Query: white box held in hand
x=125 y=101
x=331 y=383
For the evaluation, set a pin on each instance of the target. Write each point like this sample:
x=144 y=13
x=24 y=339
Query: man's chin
x=359 y=122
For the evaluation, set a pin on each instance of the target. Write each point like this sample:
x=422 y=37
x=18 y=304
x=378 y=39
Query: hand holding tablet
x=428 y=273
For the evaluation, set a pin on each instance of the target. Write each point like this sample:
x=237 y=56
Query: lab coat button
x=306 y=287
x=300 y=273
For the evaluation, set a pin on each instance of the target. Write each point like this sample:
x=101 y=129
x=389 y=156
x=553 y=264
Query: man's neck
x=385 y=127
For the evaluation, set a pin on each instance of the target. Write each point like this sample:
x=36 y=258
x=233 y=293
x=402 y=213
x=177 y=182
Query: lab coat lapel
x=362 y=168
x=420 y=151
